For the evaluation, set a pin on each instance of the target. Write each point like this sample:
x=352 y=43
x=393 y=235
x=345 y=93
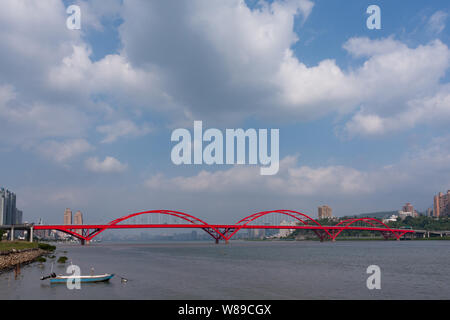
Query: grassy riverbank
x=15 y=253
x=18 y=245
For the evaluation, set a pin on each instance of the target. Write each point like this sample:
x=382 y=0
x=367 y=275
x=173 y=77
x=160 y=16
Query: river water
x=244 y=270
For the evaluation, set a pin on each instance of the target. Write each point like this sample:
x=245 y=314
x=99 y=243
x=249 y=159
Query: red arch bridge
x=218 y=232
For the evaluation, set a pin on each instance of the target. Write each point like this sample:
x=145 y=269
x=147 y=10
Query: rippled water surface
x=245 y=270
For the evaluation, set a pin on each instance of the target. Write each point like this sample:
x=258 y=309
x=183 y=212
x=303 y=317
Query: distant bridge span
x=226 y=232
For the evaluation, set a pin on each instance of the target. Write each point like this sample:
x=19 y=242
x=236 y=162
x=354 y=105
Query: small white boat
x=92 y=278
x=83 y=279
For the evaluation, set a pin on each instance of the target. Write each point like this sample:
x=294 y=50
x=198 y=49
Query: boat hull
x=83 y=279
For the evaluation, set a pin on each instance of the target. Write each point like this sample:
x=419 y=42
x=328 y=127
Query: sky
x=86 y=115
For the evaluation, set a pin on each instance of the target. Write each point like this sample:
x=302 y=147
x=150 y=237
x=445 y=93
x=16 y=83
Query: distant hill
x=378 y=215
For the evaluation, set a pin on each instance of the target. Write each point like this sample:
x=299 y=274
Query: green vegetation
x=423 y=223
x=46 y=247
x=18 y=245
x=62 y=259
x=41 y=259
x=21 y=245
x=418 y=223
x=377 y=215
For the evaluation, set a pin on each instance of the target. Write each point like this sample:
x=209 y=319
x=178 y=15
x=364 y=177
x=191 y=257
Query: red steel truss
x=226 y=232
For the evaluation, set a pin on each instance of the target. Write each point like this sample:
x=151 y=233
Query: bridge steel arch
x=226 y=232
x=321 y=231
x=375 y=223
x=73 y=233
x=211 y=230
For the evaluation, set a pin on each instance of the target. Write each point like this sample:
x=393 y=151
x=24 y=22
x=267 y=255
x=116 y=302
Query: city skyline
x=88 y=114
x=9 y=213
x=441 y=208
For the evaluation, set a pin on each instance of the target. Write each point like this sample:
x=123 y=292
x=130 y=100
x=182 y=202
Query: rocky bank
x=9 y=259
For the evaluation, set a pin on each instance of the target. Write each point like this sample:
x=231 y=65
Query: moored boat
x=83 y=279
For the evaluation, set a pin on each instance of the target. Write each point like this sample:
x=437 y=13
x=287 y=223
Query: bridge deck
x=217 y=226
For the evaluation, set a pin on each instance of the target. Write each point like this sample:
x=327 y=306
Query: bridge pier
x=31 y=234
x=11 y=236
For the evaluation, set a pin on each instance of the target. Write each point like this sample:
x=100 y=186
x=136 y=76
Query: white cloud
x=122 y=128
x=49 y=85
x=65 y=151
x=230 y=53
x=291 y=180
x=431 y=110
x=228 y=71
x=33 y=36
x=214 y=59
x=110 y=164
x=238 y=62
x=114 y=77
x=94 y=11
x=407 y=175
x=436 y=23
x=35 y=121
x=400 y=86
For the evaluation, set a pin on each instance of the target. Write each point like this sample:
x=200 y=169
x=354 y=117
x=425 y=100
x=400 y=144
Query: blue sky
x=87 y=114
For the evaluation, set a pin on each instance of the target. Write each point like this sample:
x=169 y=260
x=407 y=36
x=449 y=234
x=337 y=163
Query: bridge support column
x=11 y=236
x=217 y=240
x=31 y=234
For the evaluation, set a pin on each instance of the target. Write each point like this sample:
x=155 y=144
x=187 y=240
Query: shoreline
x=355 y=239
x=9 y=259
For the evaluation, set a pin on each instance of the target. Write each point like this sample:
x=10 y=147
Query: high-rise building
x=18 y=216
x=78 y=219
x=325 y=212
x=408 y=207
x=67 y=216
x=2 y=208
x=8 y=208
x=442 y=205
x=407 y=211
